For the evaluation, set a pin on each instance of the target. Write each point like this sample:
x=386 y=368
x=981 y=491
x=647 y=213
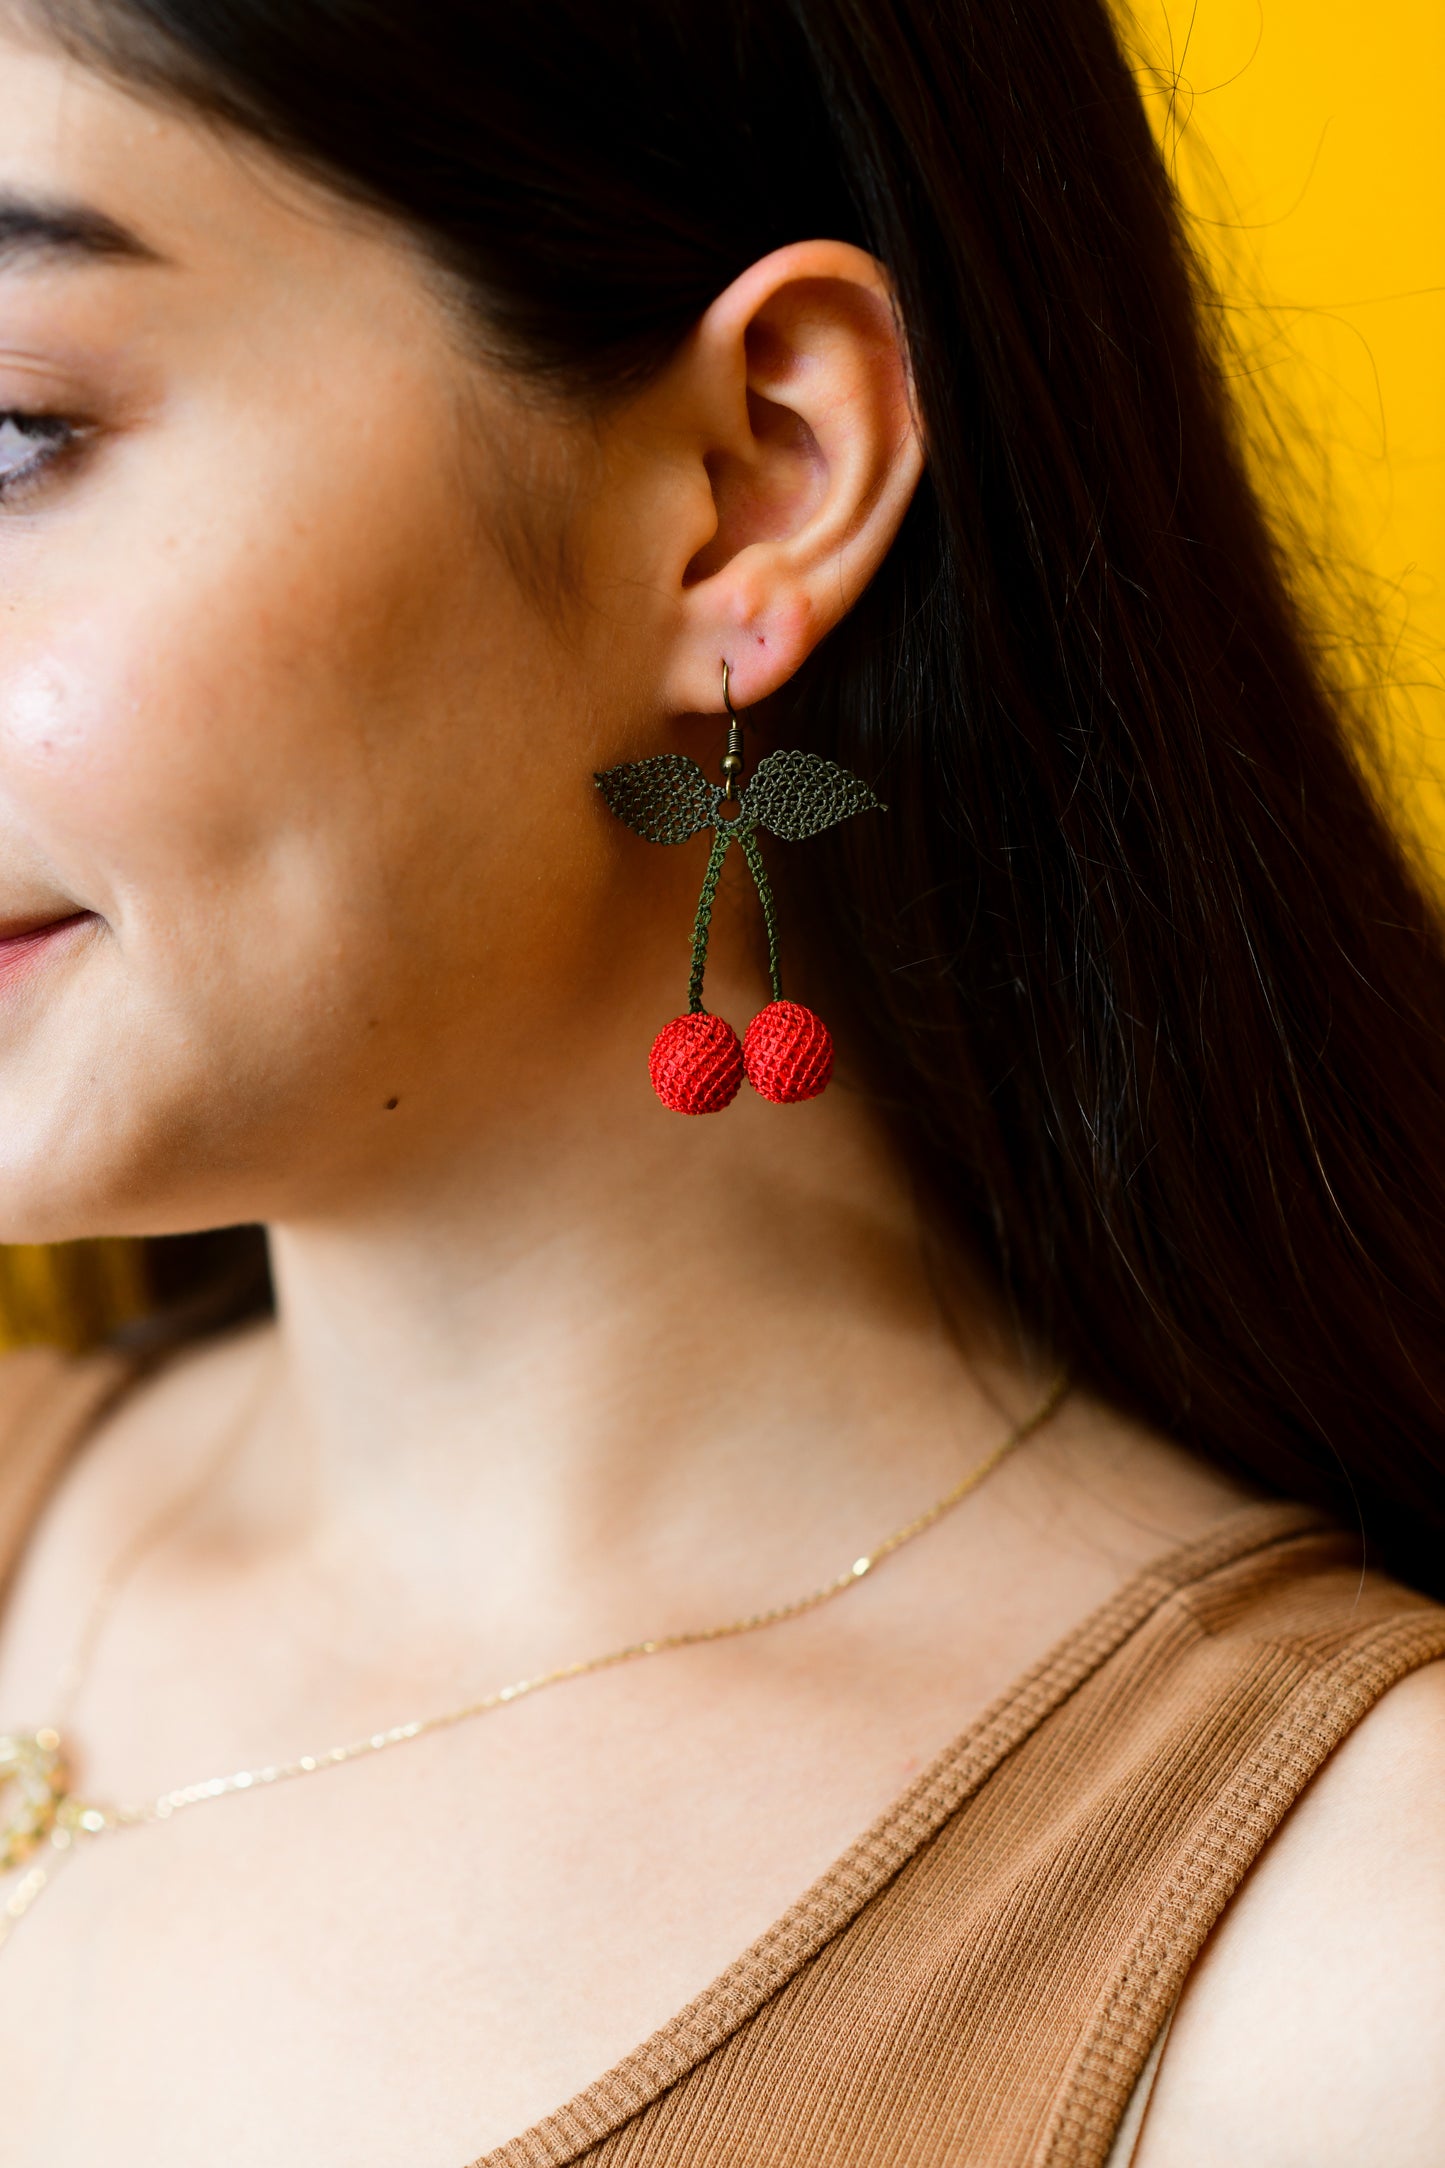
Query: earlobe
x=805 y=431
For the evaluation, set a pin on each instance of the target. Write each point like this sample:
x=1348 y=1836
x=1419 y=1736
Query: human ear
x=802 y=453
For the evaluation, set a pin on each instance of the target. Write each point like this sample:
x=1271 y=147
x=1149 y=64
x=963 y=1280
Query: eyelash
x=63 y=435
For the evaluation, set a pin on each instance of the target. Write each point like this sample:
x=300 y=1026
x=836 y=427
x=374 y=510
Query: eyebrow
x=35 y=231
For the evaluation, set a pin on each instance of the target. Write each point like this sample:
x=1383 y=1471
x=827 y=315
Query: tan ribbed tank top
x=979 y=1981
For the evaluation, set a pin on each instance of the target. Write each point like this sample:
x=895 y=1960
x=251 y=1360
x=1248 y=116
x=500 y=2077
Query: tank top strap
x=48 y=1402
x=983 y=1976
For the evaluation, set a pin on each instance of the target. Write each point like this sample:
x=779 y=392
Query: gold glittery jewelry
x=46 y=1816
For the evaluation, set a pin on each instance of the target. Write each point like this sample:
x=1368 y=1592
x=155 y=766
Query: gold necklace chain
x=51 y=1816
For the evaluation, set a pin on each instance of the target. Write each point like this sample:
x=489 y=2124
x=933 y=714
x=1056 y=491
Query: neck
x=695 y=1374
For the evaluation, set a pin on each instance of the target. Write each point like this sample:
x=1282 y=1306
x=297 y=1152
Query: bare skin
x=297 y=730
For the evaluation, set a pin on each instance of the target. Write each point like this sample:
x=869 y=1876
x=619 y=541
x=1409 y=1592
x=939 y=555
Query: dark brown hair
x=1135 y=964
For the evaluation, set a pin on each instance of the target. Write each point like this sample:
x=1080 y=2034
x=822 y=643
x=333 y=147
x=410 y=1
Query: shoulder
x=1310 y=2030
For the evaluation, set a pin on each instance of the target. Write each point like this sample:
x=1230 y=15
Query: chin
x=90 y=1147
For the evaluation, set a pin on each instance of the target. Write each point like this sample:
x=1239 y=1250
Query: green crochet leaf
x=663 y=800
x=796 y=795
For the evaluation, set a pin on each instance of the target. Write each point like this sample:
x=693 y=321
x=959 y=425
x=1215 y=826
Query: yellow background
x=1306 y=136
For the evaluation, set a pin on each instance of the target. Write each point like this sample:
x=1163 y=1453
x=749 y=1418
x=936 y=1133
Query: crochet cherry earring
x=788 y=1053
x=787 y=1050
x=697 y=1063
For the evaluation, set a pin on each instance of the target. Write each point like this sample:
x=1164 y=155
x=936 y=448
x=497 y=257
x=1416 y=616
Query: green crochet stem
x=753 y=853
x=742 y=832
x=702 y=924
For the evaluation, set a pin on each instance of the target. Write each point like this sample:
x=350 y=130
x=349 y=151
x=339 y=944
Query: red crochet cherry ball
x=788 y=1053
x=696 y=1064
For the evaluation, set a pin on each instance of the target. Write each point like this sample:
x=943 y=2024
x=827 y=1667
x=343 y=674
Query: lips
x=23 y=945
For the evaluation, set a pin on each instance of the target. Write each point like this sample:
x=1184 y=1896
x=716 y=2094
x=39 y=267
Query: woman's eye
x=29 y=442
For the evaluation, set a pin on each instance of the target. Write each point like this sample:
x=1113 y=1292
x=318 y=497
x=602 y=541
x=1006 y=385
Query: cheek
x=226 y=707
x=101 y=750
x=189 y=763
x=304 y=760
x=184 y=764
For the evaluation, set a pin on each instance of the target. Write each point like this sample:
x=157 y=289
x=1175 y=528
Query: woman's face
x=295 y=774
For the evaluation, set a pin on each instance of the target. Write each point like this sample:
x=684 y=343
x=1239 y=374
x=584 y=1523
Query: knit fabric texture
x=788 y=1053
x=696 y=1064
x=978 y=1981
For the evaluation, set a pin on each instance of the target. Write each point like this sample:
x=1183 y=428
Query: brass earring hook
x=732 y=760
